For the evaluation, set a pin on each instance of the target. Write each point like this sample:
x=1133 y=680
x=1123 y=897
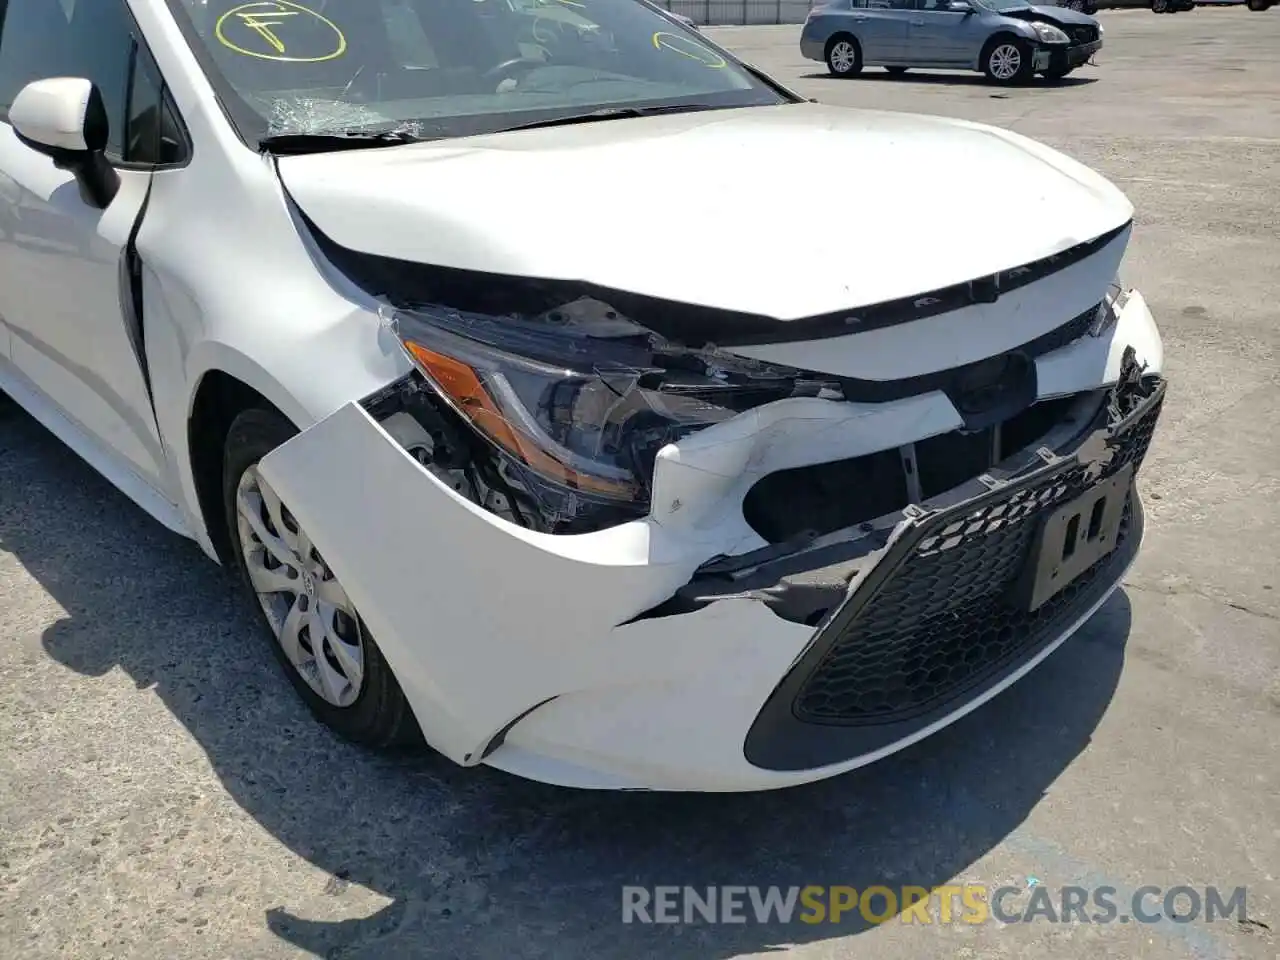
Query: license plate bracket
x=1073 y=538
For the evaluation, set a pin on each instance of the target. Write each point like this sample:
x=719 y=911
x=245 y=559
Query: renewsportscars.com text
x=968 y=903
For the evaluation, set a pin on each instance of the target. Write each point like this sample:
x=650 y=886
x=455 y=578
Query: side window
x=92 y=39
x=152 y=132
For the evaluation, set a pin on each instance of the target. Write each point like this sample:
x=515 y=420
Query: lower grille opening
x=831 y=496
x=949 y=616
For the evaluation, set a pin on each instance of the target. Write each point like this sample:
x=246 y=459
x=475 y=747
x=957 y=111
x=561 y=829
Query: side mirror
x=65 y=118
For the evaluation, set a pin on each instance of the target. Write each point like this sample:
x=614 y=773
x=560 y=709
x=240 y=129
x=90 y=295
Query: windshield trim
x=251 y=128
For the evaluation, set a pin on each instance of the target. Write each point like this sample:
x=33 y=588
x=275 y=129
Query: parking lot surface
x=163 y=793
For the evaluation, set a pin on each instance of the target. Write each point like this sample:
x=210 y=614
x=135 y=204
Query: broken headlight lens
x=579 y=400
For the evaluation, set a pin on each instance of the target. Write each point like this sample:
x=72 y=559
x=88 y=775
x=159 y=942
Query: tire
x=895 y=71
x=844 y=56
x=1258 y=6
x=1054 y=75
x=1007 y=61
x=376 y=713
x=1160 y=6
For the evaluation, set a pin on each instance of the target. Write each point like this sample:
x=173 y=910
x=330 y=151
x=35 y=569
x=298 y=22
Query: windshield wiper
x=611 y=113
x=294 y=143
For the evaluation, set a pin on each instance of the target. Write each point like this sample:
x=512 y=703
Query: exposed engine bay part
x=412 y=413
x=556 y=420
x=830 y=496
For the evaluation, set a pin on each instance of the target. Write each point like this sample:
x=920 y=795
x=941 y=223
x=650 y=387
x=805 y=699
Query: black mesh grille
x=1084 y=34
x=944 y=620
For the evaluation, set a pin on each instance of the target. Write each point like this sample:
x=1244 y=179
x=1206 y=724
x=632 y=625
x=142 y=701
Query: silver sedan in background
x=1008 y=40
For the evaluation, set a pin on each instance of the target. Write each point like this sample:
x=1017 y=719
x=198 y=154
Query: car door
x=935 y=31
x=936 y=34
x=881 y=28
x=64 y=273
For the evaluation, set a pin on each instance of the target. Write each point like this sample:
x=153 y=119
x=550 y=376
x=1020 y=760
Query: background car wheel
x=1007 y=60
x=1160 y=6
x=316 y=633
x=1054 y=75
x=895 y=71
x=844 y=56
x=1257 y=6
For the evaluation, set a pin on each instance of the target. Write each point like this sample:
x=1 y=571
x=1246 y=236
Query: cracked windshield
x=440 y=68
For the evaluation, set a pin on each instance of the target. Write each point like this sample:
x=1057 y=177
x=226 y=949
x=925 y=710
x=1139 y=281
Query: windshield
x=443 y=68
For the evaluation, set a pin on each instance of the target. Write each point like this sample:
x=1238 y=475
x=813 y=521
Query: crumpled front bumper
x=1075 y=55
x=541 y=654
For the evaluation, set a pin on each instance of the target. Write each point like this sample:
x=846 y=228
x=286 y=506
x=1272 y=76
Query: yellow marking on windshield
x=282 y=39
x=690 y=48
x=263 y=27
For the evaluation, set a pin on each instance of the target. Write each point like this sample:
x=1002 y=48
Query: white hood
x=786 y=212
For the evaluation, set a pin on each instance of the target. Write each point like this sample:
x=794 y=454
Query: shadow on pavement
x=480 y=864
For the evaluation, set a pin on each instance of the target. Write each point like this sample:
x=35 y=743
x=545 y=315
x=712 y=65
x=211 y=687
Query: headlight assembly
x=1048 y=33
x=578 y=401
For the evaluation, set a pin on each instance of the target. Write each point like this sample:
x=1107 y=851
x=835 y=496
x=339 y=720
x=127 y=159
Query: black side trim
x=131 y=309
x=500 y=737
x=406 y=284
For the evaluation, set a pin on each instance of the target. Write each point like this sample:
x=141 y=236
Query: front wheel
x=844 y=56
x=316 y=633
x=1258 y=6
x=1007 y=61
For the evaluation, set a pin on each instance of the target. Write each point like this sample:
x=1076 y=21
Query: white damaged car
x=523 y=450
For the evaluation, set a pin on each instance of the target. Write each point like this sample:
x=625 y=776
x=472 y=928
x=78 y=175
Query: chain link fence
x=740 y=12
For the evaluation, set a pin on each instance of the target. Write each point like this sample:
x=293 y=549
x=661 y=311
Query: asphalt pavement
x=163 y=794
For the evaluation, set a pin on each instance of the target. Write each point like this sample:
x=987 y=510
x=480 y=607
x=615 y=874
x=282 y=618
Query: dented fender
x=453 y=593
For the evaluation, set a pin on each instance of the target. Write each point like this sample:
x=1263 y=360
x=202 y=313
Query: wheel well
x=219 y=399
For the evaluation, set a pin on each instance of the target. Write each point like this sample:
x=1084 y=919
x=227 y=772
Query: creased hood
x=785 y=212
x=1062 y=15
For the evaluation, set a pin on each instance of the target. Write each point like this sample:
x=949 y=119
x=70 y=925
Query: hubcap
x=1005 y=61
x=843 y=56
x=312 y=619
